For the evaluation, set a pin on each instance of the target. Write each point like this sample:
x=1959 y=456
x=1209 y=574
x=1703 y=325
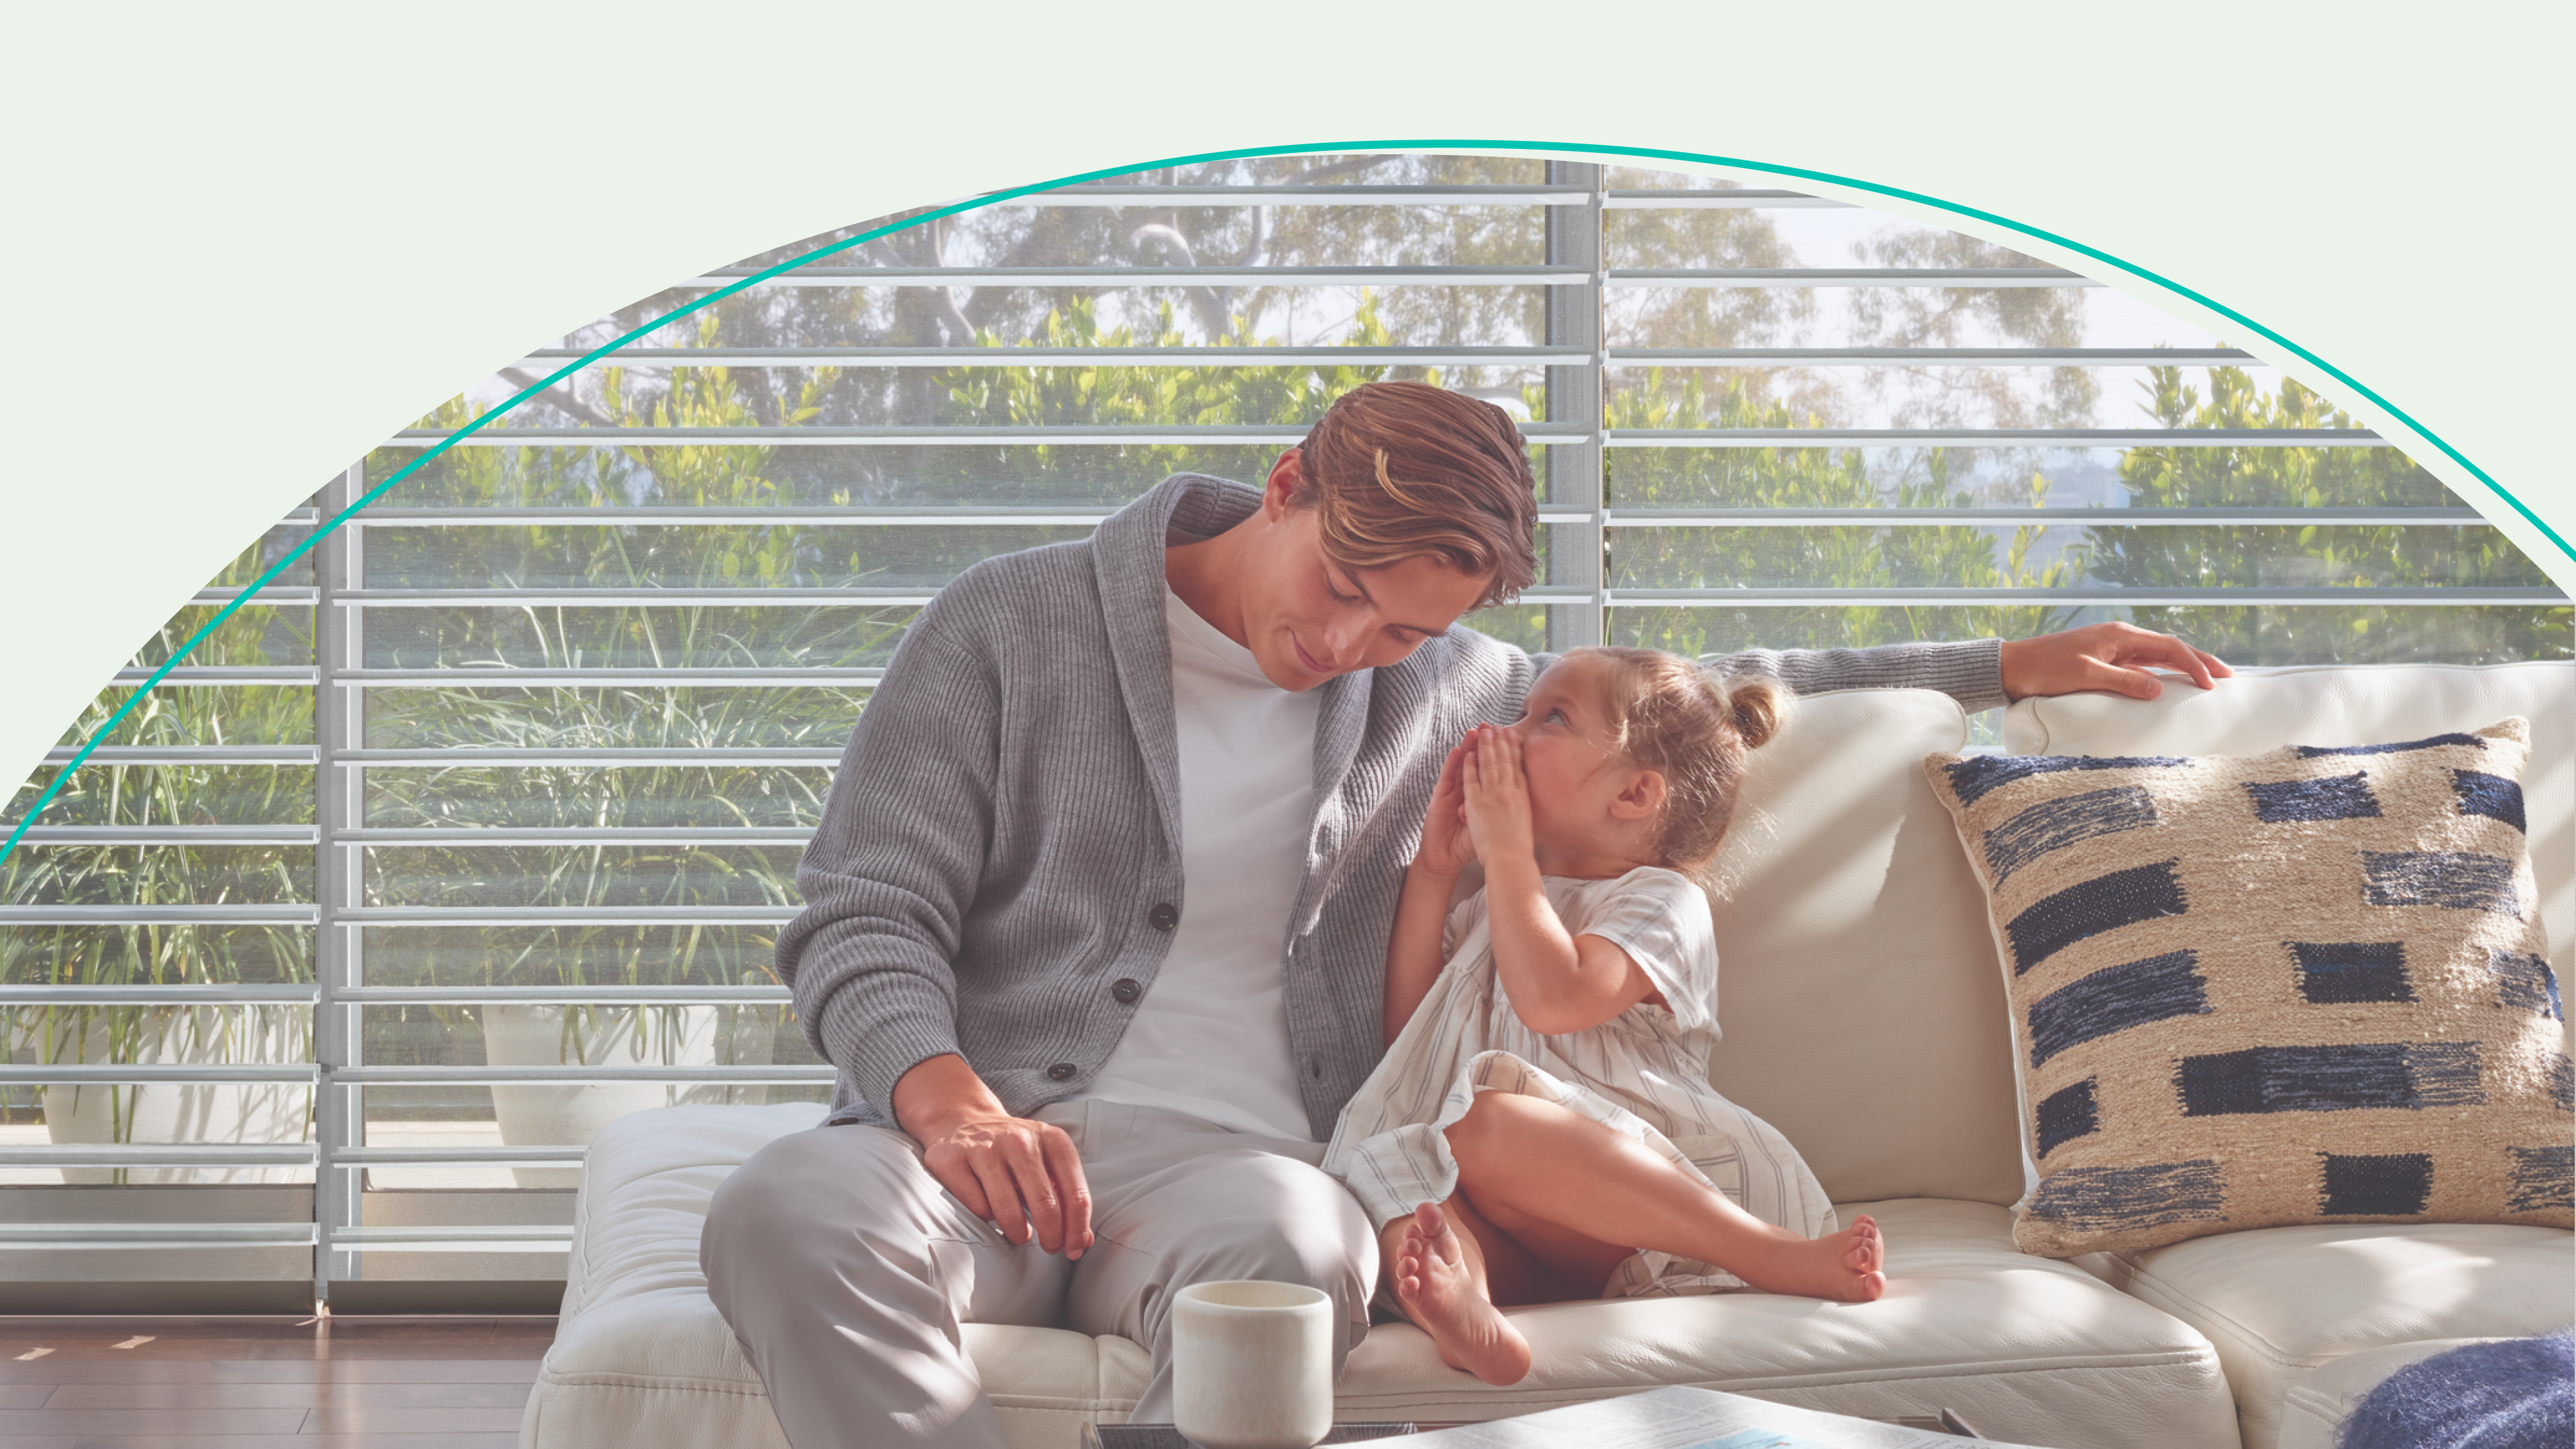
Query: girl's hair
x=1693 y=727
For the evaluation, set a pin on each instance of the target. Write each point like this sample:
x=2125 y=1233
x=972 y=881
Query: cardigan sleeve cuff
x=875 y=1043
x=1970 y=671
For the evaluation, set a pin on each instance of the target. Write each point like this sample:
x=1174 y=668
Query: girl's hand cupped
x=1497 y=793
x=1446 y=847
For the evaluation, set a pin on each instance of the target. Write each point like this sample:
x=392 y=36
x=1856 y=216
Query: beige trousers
x=845 y=1268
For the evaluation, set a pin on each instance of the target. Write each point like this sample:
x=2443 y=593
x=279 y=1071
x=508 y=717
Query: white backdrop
x=303 y=226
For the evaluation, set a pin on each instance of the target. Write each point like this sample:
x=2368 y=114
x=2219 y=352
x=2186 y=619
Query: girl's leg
x=1580 y=1196
x=1439 y=1263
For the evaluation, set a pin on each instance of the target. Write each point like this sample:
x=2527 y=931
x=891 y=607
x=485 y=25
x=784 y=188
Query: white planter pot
x=614 y=1036
x=262 y=1112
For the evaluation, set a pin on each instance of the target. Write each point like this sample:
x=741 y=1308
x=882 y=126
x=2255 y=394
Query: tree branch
x=560 y=398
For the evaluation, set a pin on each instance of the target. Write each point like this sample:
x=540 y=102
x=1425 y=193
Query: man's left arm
x=1989 y=673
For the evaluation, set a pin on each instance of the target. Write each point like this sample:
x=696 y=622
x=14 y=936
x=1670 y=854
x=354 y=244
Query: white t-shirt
x=1210 y=1037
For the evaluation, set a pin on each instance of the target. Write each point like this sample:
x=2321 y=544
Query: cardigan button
x=1163 y=917
x=1126 y=991
x=1062 y=1071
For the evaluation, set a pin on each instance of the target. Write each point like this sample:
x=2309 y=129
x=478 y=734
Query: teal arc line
x=990 y=198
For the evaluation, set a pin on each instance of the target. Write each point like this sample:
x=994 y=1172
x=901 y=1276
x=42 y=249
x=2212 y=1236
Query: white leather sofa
x=1864 y=1016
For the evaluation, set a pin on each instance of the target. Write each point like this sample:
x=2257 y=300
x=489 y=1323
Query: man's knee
x=1290 y=1223
x=780 y=1208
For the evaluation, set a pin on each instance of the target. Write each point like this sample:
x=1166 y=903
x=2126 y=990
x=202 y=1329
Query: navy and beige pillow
x=2302 y=987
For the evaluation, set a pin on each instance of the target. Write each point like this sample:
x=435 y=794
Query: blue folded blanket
x=2517 y=1394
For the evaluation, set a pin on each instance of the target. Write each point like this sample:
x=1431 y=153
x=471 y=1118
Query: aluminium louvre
x=1300 y=194
x=22 y=1074
x=607 y=756
x=478 y=1238
x=112 y=835
x=564 y=995
x=1932 y=357
x=605 y=678
x=221 y=674
x=1944 y=277
x=1571 y=283
x=1613 y=515
x=137 y=1237
x=629 y=597
x=190 y=755
x=2457 y=597
x=1114 y=276
x=1625 y=198
x=738 y=1076
x=1553 y=434
x=896 y=436
x=219 y=993
x=485 y=836
x=751 y=598
x=1071 y=278
x=161 y=1154
x=273 y=595
x=857 y=516
x=1085 y=357
x=353 y=1159
x=1653 y=517
x=1740 y=198
x=1994 y=437
x=567 y=916
x=1257 y=356
x=283 y=914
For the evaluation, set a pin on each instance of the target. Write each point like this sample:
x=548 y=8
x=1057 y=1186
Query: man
x=1097 y=914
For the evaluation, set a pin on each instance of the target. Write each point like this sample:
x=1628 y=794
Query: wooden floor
x=266 y=1383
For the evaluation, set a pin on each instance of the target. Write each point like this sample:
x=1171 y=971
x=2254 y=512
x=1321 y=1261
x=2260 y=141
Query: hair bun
x=1756 y=705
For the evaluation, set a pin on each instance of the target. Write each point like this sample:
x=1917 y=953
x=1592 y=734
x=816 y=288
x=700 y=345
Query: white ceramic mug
x=1252 y=1365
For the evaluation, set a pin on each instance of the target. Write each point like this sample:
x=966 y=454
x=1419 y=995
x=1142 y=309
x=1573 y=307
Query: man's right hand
x=1022 y=1176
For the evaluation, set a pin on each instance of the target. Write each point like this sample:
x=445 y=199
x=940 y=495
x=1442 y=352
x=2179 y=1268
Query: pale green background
x=328 y=219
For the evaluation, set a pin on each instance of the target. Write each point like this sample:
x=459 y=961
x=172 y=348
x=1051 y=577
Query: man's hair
x=1399 y=470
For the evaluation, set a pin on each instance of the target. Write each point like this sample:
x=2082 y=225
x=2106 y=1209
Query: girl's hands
x=1446 y=849
x=1497 y=796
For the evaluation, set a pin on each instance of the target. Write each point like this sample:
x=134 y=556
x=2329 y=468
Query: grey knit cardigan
x=1002 y=843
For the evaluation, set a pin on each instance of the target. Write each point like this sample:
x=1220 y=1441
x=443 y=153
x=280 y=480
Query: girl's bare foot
x=1432 y=1282
x=1849 y=1266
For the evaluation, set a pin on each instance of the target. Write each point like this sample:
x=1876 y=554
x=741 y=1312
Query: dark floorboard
x=261 y=1383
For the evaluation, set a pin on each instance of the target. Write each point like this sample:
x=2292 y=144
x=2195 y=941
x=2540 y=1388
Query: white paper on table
x=1686 y=1418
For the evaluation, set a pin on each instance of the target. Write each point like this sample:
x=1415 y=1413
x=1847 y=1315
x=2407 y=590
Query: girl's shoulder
x=1661 y=919
x=1649 y=889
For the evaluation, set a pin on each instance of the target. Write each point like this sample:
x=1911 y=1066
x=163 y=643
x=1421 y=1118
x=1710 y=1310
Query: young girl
x=1542 y=1127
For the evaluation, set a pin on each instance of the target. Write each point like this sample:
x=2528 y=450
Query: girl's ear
x=1642 y=799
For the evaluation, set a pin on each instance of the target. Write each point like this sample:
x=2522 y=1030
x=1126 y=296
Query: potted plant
x=176 y=955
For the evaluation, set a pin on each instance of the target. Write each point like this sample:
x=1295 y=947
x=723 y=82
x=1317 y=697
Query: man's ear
x=1642 y=798
x=1282 y=485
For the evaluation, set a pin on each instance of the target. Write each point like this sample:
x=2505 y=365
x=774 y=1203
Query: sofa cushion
x=2026 y=1348
x=2264 y=709
x=642 y=1358
x=2283 y=1304
x=1858 y=994
x=2314 y=1410
x=2301 y=986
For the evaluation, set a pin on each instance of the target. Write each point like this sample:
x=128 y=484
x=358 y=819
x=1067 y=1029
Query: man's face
x=1309 y=619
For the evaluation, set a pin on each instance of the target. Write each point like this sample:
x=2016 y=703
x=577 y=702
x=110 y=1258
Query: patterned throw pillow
x=2301 y=987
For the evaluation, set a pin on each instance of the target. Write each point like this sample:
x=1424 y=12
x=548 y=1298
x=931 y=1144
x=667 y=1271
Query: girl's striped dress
x=1643 y=1072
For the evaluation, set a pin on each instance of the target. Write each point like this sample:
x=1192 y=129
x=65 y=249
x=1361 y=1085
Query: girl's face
x=1567 y=736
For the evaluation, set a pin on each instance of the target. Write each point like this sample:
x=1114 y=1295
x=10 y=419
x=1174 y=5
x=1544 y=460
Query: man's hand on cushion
x=1023 y=1177
x=2111 y=657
